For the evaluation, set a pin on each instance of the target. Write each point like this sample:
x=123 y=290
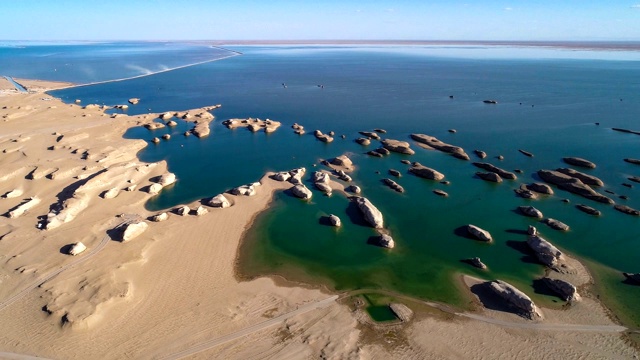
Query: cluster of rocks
x=573 y=185
x=433 y=143
x=245 y=190
x=254 y=125
x=322 y=182
x=327 y=138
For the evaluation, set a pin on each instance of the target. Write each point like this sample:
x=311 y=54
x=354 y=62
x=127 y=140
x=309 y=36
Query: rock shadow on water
x=517 y=231
x=490 y=300
x=522 y=247
x=355 y=215
x=462 y=232
x=66 y=249
x=325 y=221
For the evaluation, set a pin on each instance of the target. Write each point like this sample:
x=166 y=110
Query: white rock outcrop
x=77 y=248
x=479 y=233
x=335 y=220
x=201 y=210
x=245 y=190
x=515 y=298
x=301 y=192
x=219 y=201
x=111 y=193
x=167 y=179
x=159 y=217
x=24 y=207
x=183 y=210
x=133 y=230
x=13 y=194
x=154 y=189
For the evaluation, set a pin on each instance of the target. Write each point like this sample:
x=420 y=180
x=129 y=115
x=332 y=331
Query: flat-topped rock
x=154 y=126
x=432 y=142
x=576 y=161
x=134 y=101
x=494 y=169
x=386 y=241
x=585 y=178
x=77 y=249
x=478 y=233
x=334 y=221
x=398 y=146
x=530 y=211
x=573 y=185
x=302 y=192
x=556 y=224
x=546 y=253
x=201 y=129
x=426 y=172
x=371 y=213
x=565 y=290
x=219 y=201
x=393 y=185
x=489 y=176
x=588 y=209
x=515 y=298
x=401 y=311
x=627 y=210
x=182 y=210
x=133 y=230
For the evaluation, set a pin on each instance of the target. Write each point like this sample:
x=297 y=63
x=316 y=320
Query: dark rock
x=556 y=224
x=576 y=161
x=573 y=185
x=627 y=210
x=564 y=289
x=489 y=176
x=588 y=209
x=395 y=173
x=425 y=172
x=489 y=167
x=585 y=178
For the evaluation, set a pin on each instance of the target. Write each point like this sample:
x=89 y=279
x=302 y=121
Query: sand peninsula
x=167 y=289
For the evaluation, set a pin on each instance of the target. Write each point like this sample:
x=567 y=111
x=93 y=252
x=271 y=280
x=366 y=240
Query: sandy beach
x=171 y=292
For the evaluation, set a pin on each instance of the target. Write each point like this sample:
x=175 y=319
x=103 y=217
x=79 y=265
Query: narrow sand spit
x=172 y=289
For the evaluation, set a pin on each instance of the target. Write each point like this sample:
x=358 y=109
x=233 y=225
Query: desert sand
x=171 y=292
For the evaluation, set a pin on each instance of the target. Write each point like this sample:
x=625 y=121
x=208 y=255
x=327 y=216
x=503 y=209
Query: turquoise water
x=549 y=102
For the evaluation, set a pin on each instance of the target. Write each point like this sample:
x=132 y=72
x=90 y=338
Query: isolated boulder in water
x=334 y=220
x=398 y=146
x=167 y=179
x=133 y=230
x=479 y=233
x=425 y=172
x=489 y=176
x=545 y=252
x=219 y=201
x=386 y=241
x=515 y=298
x=371 y=213
x=531 y=211
x=556 y=224
x=301 y=192
x=576 y=161
x=342 y=160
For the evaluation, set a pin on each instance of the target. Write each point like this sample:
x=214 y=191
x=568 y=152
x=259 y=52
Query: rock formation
x=531 y=230
x=478 y=233
x=246 y=190
x=134 y=101
x=588 y=209
x=159 y=217
x=440 y=192
x=401 y=147
x=133 y=230
x=632 y=277
x=556 y=224
x=371 y=214
x=538 y=187
x=370 y=134
x=296 y=175
x=515 y=298
x=154 y=125
x=321 y=177
x=524 y=193
x=632 y=161
x=281 y=176
x=401 y=311
x=564 y=289
x=386 y=241
x=382 y=151
x=585 y=178
x=381 y=131
x=254 y=125
x=573 y=185
x=627 y=210
x=13 y=194
x=154 y=189
x=219 y=201
x=201 y=210
x=393 y=185
x=489 y=176
x=77 y=249
x=481 y=154
x=576 y=161
x=166 y=136
x=301 y=192
x=111 y=193
x=530 y=211
x=526 y=153
x=334 y=220
x=166 y=179
x=343 y=161
x=425 y=172
x=183 y=210
x=546 y=253
x=323 y=137
x=353 y=189
x=432 y=142
x=324 y=187
x=503 y=173
x=363 y=141
x=395 y=173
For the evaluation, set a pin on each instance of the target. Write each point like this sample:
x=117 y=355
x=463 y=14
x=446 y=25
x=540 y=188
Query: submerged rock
x=371 y=213
x=478 y=233
x=530 y=211
x=632 y=277
x=515 y=298
x=425 y=172
x=434 y=143
x=564 y=289
x=526 y=153
x=556 y=224
x=632 y=161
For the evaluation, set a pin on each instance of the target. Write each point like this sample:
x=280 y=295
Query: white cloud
x=636 y=6
x=508 y=9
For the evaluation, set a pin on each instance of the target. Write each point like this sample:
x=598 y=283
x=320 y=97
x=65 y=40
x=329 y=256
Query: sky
x=576 y=20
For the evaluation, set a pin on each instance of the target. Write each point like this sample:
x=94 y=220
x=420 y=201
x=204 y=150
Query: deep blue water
x=548 y=103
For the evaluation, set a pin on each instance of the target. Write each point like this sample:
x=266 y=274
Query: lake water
x=548 y=103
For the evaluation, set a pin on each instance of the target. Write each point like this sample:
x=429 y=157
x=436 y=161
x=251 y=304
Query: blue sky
x=302 y=19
